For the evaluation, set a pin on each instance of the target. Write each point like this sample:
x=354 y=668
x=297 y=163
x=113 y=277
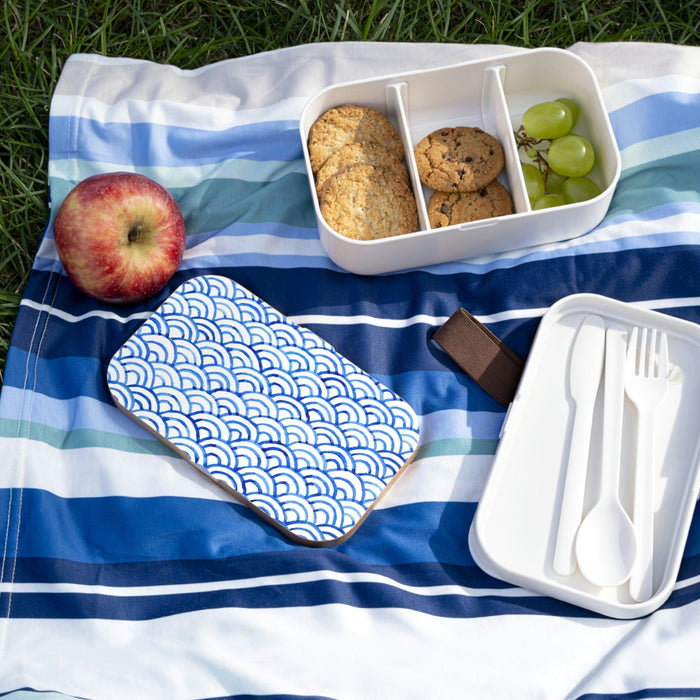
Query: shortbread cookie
x=458 y=159
x=366 y=202
x=360 y=152
x=448 y=208
x=346 y=124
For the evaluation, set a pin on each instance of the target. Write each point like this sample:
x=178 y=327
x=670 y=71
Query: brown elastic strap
x=485 y=358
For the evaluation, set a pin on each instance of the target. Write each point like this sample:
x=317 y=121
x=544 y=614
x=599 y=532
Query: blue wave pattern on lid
x=265 y=406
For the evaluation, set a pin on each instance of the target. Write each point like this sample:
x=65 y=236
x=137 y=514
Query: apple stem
x=135 y=233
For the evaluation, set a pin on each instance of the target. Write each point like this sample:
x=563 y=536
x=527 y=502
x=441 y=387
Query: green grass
x=36 y=38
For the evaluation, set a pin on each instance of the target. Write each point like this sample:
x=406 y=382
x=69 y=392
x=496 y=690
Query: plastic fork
x=646 y=382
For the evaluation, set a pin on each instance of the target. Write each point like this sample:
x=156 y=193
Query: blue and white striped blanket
x=127 y=574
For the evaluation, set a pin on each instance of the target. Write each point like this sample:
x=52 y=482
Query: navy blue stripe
x=273 y=697
x=276 y=696
x=149 y=144
x=646 y=273
x=442 y=386
x=151 y=541
x=683 y=596
x=639 y=274
x=245 y=566
x=366 y=595
x=677 y=692
x=160 y=528
x=360 y=594
x=80 y=352
x=21 y=693
x=626 y=275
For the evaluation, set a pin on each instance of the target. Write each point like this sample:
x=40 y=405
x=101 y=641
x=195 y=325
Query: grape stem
x=533 y=149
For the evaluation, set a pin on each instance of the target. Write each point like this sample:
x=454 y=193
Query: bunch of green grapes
x=560 y=159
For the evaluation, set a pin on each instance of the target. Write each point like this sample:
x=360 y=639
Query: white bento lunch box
x=515 y=529
x=491 y=94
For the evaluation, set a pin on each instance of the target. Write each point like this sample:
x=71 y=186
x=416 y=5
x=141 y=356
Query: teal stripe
x=78 y=438
x=457 y=446
x=73 y=170
x=666 y=181
x=212 y=205
x=215 y=204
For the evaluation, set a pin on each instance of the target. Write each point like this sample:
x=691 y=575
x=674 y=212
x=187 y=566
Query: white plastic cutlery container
x=491 y=94
x=514 y=531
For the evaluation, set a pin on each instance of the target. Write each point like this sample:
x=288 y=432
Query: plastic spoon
x=606 y=543
x=584 y=379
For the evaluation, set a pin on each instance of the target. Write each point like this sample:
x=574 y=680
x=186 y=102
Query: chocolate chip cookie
x=458 y=159
x=448 y=208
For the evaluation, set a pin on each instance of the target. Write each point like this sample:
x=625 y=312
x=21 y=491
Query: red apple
x=120 y=236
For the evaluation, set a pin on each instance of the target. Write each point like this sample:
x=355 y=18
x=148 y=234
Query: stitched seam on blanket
x=19 y=464
x=23 y=448
x=53 y=282
x=18 y=435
